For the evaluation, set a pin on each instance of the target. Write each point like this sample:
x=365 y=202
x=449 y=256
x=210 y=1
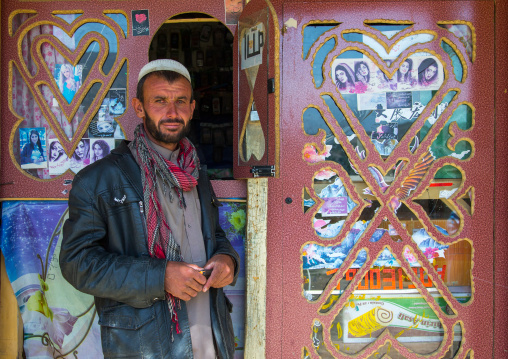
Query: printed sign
x=58 y=160
x=251 y=48
x=335 y=206
x=140 y=23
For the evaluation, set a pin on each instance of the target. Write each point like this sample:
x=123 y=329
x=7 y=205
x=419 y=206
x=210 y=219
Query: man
x=143 y=224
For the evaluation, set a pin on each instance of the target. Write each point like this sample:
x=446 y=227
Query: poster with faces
x=81 y=156
x=100 y=148
x=363 y=76
x=32 y=142
x=117 y=101
x=104 y=124
x=57 y=158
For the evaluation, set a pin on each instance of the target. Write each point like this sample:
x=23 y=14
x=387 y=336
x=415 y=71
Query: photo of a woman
x=427 y=72
x=100 y=149
x=362 y=72
x=81 y=156
x=68 y=82
x=405 y=75
x=58 y=160
x=344 y=78
x=32 y=154
x=56 y=152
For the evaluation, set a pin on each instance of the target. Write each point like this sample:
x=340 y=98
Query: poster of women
x=81 y=156
x=32 y=143
x=68 y=79
x=101 y=148
x=58 y=160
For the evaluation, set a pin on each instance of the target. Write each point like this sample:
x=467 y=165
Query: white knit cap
x=164 y=65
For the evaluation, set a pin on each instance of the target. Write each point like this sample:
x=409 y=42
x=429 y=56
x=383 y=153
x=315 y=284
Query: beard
x=167 y=138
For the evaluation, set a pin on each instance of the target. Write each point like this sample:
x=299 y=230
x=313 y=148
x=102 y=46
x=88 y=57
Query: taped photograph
x=32 y=142
x=58 y=160
x=69 y=79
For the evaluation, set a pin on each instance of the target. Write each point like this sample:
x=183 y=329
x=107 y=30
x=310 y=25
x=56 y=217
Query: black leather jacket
x=104 y=253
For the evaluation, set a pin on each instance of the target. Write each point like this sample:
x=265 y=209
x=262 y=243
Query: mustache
x=172 y=120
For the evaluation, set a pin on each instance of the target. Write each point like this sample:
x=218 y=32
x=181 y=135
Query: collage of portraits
x=102 y=136
x=386 y=105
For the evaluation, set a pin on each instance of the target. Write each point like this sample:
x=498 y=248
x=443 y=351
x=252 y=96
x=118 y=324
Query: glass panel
x=313 y=122
x=386 y=107
x=343 y=283
x=318 y=341
x=402 y=44
x=464 y=34
x=388 y=30
x=377 y=305
x=319 y=59
x=320 y=263
x=308 y=202
x=312 y=32
x=436 y=200
x=467 y=200
x=65 y=96
x=436 y=114
x=120 y=19
x=68 y=18
x=336 y=206
x=463 y=115
x=458 y=70
x=453 y=263
x=19 y=19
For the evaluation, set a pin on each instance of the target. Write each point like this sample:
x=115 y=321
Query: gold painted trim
x=244 y=129
x=433 y=127
x=389 y=22
x=317 y=22
x=387 y=48
x=386 y=336
x=461 y=58
x=16 y=12
x=323 y=71
x=471 y=198
x=431 y=276
x=67 y=12
x=452 y=142
x=49 y=119
x=184 y=21
x=471 y=27
x=348 y=119
x=232 y=200
x=125 y=33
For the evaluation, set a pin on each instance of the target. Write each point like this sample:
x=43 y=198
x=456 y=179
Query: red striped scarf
x=155 y=171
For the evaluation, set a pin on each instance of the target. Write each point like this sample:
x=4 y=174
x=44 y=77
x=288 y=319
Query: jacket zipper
x=143 y=219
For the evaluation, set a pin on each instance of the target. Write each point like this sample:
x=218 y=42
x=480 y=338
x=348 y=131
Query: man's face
x=166 y=111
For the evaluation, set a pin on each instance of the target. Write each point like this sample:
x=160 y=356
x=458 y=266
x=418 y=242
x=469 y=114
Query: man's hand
x=183 y=280
x=223 y=269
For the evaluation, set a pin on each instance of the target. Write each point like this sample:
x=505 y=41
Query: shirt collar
x=164 y=152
